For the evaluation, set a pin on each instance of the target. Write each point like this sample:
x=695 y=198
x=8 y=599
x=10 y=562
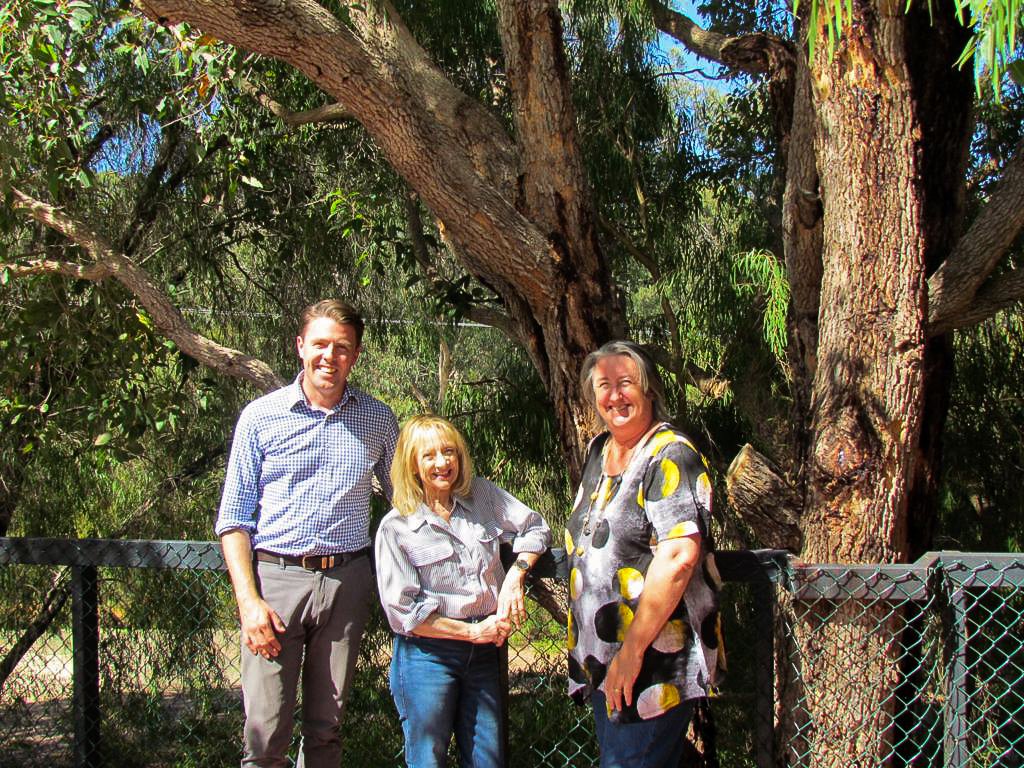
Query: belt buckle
x=317 y=562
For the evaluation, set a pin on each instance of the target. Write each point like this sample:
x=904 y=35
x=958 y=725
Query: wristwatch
x=522 y=565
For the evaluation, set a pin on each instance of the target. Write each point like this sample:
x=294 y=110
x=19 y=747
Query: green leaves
x=835 y=15
x=994 y=46
x=759 y=274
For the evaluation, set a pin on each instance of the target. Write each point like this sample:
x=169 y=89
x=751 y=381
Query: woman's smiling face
x=621 y=400
x=437 y=466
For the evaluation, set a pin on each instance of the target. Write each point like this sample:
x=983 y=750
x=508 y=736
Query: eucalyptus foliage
x=759 y=273
x=993 y=48
x=269 y=217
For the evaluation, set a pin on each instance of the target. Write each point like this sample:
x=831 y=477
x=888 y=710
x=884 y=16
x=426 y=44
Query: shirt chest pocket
x=486 y=533
x=436 y=563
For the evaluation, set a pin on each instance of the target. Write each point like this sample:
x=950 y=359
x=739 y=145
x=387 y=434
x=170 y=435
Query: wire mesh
x=168 y=668
x=917 y=665
x=902 y=666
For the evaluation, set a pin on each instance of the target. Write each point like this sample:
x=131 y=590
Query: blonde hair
x=407 y=493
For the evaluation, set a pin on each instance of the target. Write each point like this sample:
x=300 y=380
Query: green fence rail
x=904 y=665
x=125 y=653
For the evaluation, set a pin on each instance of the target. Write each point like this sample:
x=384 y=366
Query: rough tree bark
x=891 y=153
x=874 y=155
x=873 y=247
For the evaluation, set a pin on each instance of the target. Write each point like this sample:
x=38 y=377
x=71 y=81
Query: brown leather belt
x=312 y=562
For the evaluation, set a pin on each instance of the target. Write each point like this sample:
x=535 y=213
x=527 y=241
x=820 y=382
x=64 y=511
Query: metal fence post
x=957 y=697
x=764 y=658
x=86 y=641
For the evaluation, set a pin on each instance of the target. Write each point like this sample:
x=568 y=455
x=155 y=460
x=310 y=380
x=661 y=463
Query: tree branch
x=92 y=272
x=145 y=203
x=327 y=113
x=707 y=383
x=757 y=54
x=159 y=183
x=764 y=500
x=997 y=294
x=56 y=597
x=101 y=137
x=544 y=259
x=476 y=312
x=449 y=148
x=956 y=286
x=166 y=317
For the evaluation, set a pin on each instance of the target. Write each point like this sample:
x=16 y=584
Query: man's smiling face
x=328 y=350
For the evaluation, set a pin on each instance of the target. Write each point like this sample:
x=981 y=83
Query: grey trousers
x=325 y=613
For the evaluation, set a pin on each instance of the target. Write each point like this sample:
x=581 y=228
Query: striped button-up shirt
x=426 y=565
x=299 y=479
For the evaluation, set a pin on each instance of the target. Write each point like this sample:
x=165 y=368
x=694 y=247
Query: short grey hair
x=650 y=379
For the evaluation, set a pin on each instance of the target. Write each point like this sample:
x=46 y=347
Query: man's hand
x=260 y=624
x=260 y=627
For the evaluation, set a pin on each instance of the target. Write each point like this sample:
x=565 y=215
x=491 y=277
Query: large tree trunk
x=887 y=140
x=518 y=213
x=890 y=146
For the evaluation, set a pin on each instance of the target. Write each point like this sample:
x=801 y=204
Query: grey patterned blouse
x=664 y=493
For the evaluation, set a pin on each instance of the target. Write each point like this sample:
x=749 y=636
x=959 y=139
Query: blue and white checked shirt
x=299 y=480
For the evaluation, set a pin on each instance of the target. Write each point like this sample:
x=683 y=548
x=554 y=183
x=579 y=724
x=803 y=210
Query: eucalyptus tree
x=874 y=122
x=871 y=136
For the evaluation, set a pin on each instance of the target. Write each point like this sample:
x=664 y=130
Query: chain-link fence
x=915 y=665
x=125 y=653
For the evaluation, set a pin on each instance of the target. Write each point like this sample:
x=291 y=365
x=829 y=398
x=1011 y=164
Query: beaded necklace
x=607 y=487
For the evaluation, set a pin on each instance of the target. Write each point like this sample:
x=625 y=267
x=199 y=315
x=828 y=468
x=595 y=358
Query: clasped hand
x=511 y=598
x=493 y=629
x=510 y=613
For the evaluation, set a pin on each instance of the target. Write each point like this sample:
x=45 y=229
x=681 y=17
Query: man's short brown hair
x=338 y=311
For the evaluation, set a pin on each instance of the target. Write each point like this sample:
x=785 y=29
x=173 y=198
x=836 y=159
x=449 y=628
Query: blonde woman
x=446 y=595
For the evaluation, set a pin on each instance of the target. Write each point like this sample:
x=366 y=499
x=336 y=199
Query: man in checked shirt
x=293 y=523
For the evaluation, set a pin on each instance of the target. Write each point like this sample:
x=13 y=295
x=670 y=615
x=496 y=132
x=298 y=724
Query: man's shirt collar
x=296 y=396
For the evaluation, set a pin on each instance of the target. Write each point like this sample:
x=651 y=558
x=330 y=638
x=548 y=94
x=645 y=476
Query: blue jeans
x=654 y=743
x=446 y=686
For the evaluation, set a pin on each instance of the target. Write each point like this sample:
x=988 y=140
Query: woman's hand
x=511 y=600
x=666 y=580
x=622 y=674
x=493 y=629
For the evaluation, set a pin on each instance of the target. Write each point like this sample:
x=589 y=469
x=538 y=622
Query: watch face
x=522 y=565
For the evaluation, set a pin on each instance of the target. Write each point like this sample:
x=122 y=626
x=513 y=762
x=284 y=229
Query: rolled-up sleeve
x=524 y=526
x=240 y=497
x=401 y=595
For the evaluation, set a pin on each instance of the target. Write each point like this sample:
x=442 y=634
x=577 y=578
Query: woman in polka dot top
x=643 y=605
